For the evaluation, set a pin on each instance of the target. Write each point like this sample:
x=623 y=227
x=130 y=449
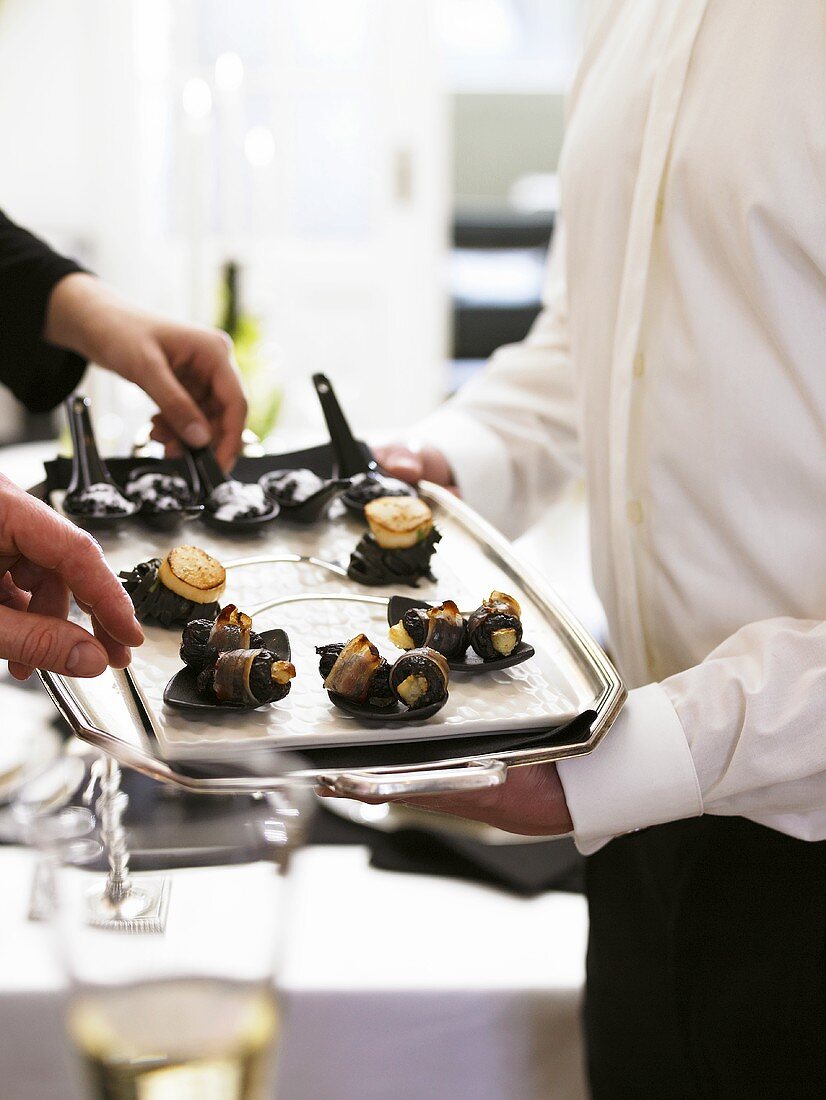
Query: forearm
x=86 y=316
x=38 y=374
x=738 y=735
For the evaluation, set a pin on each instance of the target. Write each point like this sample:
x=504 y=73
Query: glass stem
x=110 y=808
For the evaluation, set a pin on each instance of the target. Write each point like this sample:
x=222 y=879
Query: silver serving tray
x=569 y=686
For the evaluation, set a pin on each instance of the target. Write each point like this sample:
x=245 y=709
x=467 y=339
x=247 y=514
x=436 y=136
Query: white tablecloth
x=395 y=986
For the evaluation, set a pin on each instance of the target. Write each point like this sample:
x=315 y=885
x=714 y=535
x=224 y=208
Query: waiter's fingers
x=179 y=409
x=15 y=599
x=414 y=464
x=401 y=462
x=162 y=433
x=49 y=594
x=119 y=655
x=50 y=541
x=228 y=397
x=11 y=595
x=29 y=641
x=530 y=802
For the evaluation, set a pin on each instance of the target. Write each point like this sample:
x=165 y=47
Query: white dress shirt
x=680 y=364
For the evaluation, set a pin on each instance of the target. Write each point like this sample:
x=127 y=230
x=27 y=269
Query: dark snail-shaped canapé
x=411 y=629
x=202 y=640
x=379 y=693
x=356 y=671
x=442 y=628
x=328 y=655
x=420 y=678
x=247 y=678
x=495 y=628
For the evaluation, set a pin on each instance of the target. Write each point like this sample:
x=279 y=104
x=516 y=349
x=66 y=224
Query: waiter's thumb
x=31 y=641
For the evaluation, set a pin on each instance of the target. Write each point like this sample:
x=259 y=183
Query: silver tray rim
x=462 y=772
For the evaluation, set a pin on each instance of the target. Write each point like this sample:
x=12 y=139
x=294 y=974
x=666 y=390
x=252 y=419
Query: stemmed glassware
x=169 y=911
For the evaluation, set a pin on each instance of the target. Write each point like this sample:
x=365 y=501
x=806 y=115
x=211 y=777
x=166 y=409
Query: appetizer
x=246 y=678
x=154 y=491
x=101 y=500
x=290 y=488
x=368 y=486
x=420 y=678
x=185 y=585
x=357 y=672
x=400 y=543
x=234 y=500
x=495 y=628
x=441 y=628
x=202 y=639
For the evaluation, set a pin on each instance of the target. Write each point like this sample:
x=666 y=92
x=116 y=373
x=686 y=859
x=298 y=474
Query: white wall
x=97 y=159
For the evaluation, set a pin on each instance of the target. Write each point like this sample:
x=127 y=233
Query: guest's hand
x=43 y=558
x=531 y=802
x=187 y=370
x=412 y=465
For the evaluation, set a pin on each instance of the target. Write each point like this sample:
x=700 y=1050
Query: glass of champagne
x=171 y=941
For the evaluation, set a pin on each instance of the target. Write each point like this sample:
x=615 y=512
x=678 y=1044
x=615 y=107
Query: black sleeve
x=38 y=374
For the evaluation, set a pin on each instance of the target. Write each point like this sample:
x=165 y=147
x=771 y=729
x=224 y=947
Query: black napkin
x=525 y=869
x=394 y=753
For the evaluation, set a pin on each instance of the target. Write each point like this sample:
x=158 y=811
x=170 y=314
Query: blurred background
x=361 y=187
x=379 y=174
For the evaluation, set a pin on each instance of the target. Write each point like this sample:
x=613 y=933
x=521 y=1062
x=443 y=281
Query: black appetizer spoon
x=310 y=508
x=350 y=458
x=93 y=498
x=184 y=502
x=182 y=690
x=212 y=479
x=472 y=663
x=393 y=714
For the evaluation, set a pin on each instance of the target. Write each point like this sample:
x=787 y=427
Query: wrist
x=67 y=312
x=647 y=749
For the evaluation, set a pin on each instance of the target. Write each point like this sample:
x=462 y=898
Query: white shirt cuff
x=642 y=773
x=478 y=457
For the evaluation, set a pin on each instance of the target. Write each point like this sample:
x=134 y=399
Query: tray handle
x=476 y=775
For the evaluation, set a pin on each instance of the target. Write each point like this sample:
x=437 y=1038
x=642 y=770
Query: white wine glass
x=171 y=977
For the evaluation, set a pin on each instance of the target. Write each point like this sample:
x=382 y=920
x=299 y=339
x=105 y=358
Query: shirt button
x=639 y=365
x=633 y=510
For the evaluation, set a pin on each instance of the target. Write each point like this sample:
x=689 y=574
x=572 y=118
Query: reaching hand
x=530 y=802
x=187 y=370
x=425 y=463
x=43 y=558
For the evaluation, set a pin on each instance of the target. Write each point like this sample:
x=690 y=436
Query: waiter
x=53 y=318
x=679 y=365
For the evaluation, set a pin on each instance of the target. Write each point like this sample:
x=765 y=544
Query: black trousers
x=707 y=964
